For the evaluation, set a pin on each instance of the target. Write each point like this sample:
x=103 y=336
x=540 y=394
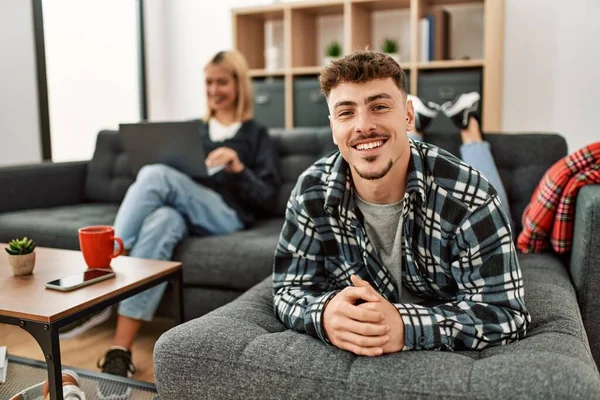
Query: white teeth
x=369 y=146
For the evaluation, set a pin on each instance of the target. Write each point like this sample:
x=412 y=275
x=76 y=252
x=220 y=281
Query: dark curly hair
x=360 y=67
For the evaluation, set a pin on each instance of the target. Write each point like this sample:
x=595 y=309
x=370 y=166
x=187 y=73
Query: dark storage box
x=310 y=107
x=269 y=102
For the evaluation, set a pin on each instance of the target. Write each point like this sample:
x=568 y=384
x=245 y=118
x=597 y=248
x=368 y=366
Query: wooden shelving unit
x=261 y=73
x=450 y=64
x=306 y=70
x=300 y=20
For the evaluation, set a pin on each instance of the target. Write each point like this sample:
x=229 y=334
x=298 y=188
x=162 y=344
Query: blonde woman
x=163 y=205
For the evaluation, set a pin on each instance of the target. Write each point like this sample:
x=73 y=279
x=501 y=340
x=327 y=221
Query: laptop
x=176 y=144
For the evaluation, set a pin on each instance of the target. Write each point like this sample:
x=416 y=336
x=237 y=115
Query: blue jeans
x=479 y=156
x=155 y=215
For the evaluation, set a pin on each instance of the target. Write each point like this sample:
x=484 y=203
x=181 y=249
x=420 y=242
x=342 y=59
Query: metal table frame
x=46 y=334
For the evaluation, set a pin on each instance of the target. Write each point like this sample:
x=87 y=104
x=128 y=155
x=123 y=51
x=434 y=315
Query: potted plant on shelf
x=391 y=48
x=333 y=51
x=21 y=256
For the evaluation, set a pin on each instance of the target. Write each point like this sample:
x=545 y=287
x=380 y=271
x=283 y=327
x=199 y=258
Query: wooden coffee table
x=26 y=302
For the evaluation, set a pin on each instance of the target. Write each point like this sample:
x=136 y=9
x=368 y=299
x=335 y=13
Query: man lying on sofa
x=391 y=244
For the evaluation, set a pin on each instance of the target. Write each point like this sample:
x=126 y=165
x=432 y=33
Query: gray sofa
x=50 y=201
x=241 y=350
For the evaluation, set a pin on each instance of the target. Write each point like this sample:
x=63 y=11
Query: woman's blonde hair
x=234 y=62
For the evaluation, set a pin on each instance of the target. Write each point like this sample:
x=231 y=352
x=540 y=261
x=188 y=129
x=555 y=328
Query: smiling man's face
x=369 y=123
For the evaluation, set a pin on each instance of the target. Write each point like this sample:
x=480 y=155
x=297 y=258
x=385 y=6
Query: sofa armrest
x=585 y=263
x=42 y=185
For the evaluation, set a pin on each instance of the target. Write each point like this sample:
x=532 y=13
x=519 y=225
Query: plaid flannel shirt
x=548 y=218
x=457 y=250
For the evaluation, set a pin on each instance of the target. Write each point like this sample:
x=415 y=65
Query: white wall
x=551 y=68
x=91 y=60
x=181 y=36
x=157 y=66
x=19 y=117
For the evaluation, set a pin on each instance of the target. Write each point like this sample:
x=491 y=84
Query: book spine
x=442 y=35
x=424 y=40
x=432 y=43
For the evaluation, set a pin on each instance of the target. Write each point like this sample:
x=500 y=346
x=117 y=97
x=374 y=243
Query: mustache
x=361 y=138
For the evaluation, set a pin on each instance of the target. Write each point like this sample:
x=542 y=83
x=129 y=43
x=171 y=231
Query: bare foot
x=473 y=132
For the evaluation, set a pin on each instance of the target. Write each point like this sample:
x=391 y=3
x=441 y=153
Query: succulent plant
x=20 y=246
x=334 y=49
x=389 y=46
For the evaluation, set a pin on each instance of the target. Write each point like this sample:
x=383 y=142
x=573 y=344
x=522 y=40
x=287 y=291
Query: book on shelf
x=434 y=36
x=424 y=32
x=431 y=45
x=440 y=38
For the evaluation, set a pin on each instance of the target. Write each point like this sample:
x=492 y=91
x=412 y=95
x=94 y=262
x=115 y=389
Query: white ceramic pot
x=328 y=60
x=395 y=56
x=22 y=264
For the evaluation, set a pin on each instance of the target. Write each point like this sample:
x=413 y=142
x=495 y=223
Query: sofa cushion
x=55 y=227
x=522 y=160
x=109 y=174
x=235 y=261
x=202 y=300
x=298 y=149
x=242 y=350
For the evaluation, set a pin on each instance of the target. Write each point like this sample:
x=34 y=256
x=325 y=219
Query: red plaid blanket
x=548 y=219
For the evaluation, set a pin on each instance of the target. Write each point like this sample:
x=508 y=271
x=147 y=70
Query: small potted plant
x=333 y=51
x=21 y=256
x=391 y=48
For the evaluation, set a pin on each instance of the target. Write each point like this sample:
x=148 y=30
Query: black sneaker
x=80 y=326
x=424 y=113
x=115 y=362
x=461 y=109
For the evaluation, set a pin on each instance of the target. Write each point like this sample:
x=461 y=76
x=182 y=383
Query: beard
x=371 y=176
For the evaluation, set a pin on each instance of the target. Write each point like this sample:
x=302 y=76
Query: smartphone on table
x=81 y=279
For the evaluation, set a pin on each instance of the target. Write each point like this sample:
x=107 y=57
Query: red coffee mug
x=97 y=244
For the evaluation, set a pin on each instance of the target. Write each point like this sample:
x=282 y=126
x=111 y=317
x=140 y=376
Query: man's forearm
x=461 y=325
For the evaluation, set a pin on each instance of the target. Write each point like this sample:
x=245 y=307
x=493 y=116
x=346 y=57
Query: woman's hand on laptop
x=225 y=156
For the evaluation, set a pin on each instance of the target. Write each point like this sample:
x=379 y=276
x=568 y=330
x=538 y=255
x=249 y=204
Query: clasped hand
x=372 y=328
x=225 y=156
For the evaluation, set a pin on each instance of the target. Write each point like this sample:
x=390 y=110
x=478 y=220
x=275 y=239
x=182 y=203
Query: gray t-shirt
x=383 y=223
